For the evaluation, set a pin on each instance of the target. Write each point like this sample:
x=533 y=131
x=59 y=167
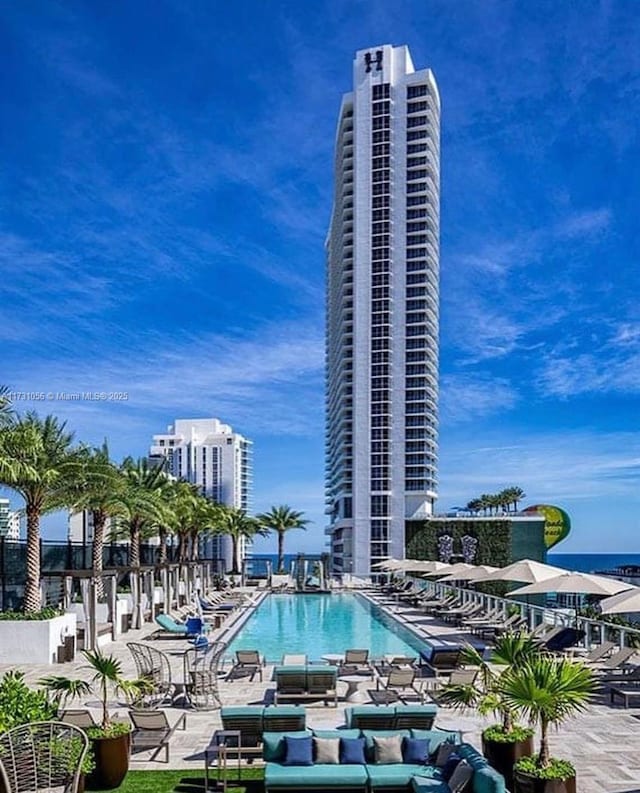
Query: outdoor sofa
x=282 y=776
x=391 y=717
x=306 y=682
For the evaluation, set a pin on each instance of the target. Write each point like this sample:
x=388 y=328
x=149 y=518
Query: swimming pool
x=319 y=624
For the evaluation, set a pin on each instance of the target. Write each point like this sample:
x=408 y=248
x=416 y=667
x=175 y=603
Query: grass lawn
x=187 y=781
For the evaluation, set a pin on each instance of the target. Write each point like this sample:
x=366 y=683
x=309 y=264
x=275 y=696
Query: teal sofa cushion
x=336 y=733
x=273 y=745
x=422 y=784
x=248 y=711
x=297 y=669
x=488 y=780
x=283 y=710
x=394 y=775
x=325 y=777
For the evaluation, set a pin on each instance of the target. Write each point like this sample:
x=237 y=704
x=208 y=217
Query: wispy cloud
x=467 y=397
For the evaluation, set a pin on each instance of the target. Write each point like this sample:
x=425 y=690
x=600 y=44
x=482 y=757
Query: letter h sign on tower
x=369 y=61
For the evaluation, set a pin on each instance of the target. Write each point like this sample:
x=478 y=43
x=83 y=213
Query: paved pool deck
x=603 y=743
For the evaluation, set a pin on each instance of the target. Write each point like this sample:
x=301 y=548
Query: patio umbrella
x=383 y=564
x=458 y=571
x=625 y=602
x=429 y=567
x=575 y=584
x=525 y=571
x=476 y=572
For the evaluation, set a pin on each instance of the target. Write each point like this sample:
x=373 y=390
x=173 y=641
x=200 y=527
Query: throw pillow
x=444 y=750
x=327 y=750
x=298 y=751
x=387 y=750
x=352 y=751
x=460 y=777
x=450 y=766
x=415 y=750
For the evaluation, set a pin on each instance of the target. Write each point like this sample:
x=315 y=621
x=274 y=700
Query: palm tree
x=486 y=502
x=142 y=501
x=237 y=524
x=37 y=461
x=281 y=520
x=546 y=691
x=511 y=649
x=100 y=486
x=206 y=519
x=182 y=498
x=6 y=407
x=516 y=494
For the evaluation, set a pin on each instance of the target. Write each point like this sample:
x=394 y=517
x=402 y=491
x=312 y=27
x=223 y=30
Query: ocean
x=582 y=562
x=592 y=562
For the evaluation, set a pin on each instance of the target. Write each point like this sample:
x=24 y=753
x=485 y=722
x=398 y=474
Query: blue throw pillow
x=415 y=750
x=298 y=751
x=450 y=766
x=352 y=751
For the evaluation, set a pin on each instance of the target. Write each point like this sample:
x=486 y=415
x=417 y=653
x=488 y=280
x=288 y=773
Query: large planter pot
x=112 y=762
x=524 y=783
x=503 y=756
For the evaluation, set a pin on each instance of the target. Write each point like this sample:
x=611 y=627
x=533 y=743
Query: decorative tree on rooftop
x=281 y=520
x=237 y=524
x=38 y=462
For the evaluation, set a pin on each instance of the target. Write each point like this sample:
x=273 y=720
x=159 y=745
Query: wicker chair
x=43 y=756
x=152 y=665
x=201 y=670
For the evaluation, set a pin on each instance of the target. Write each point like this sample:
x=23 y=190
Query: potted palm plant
x=546 y=691
x=110 y=740
x=504 y=743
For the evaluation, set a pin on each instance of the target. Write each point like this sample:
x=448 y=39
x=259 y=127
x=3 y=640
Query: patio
x=603 y=743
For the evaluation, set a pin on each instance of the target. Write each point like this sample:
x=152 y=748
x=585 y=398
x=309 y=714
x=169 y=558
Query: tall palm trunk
x=194 y=545
x=32 y=599
x=134 y=544
x=235 y=553
x=280 y=551
x=162 y=550
x=543 y=757
x=99 y=523
x=182 y=547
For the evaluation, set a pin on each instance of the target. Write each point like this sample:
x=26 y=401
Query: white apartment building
x=9 y=521
x=217 y=459
x=382 y=310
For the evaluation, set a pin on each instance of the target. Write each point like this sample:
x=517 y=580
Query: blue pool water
x=319 y=624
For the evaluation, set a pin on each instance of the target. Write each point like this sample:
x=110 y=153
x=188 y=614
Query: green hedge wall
x=494 y=542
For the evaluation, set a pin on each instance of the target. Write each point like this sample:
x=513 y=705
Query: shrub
x=20 y=704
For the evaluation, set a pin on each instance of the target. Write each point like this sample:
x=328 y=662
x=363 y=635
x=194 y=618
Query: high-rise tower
x=382 y=309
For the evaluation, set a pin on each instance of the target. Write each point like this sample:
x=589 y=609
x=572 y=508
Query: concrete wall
x=34 y=641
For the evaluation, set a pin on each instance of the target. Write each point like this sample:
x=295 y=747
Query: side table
x=216 y=755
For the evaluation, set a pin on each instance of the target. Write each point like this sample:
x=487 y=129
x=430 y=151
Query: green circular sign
x=557 y=524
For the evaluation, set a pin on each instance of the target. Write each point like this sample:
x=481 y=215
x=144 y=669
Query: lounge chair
x=294 y=659
x=442 y=661
x=400 y=684
x=436 y=688
x=80 y=717
x=284 y=718
x=169 y=628
x=547 y=632
x=597 y=654
x=617 y=666
x=306 y=683
x=566 y=638
x=356 y=662
x=152 y=731
x=482 y=619
x=497 y=628
x=247 y=661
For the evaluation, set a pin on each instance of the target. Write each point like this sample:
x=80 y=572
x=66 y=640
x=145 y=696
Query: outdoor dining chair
x=42 y=756
x=154 y=668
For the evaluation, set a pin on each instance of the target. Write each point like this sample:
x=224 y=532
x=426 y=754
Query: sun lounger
x=294 y=659
x=152 y=731
x=400 y=684
x=247 y=661
x=617 y=665
x=356 y=662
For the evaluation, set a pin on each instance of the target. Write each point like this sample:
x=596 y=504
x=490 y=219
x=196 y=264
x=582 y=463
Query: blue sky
x=165 y=194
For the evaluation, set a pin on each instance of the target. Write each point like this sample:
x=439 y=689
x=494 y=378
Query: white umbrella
x=474 y=574
x=574 y=583
x=383 y=564
x=458 y=571
x=625 y=602
x=526 y=571
x=431 y=567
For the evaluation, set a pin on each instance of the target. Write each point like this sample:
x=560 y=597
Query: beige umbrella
x=383 y=564
x=575 y=584
x=476 y=572
x=626 y=602
x=458 y=571
x=526 y=571
x=429 y=567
